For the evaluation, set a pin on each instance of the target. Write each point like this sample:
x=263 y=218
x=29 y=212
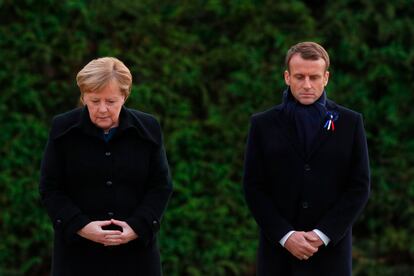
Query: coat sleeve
x=341 y=217
x=273 y=225
x=145 y=221
x=66 y=217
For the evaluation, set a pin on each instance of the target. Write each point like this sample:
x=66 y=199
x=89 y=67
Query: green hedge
x=203 y=67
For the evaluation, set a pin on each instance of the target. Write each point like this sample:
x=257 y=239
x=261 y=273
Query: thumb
x=311 y=236
x=118 y=222
x=103 y=222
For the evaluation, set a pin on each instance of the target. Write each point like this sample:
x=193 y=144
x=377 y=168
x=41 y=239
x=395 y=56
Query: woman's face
x=105 y=105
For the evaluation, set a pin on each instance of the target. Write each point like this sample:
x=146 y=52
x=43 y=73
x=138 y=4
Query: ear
x=287 y=77
x=81 y=99
x=326 y=78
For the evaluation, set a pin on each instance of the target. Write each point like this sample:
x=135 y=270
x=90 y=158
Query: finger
x=103 y=222
x=111 y=232
x=113 y=241
x=109 y=237
x=316 y=244
x=307 y=254
x=119 y=222
x=311 y=237
x=309 y=250
x=300 y=256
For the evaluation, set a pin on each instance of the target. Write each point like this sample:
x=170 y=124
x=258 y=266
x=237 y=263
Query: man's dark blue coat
x=84 y=179
x=286 y=189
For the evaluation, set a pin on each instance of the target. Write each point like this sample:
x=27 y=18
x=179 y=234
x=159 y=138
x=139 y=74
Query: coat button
x=305 y=205
x=155 y=225
x=110 y=214
x=307 y=167
x=58 y=221
x=108 y=183
x=108 y=153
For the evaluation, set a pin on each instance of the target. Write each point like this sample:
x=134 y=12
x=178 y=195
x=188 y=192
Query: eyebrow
x=314 y=75
x=108 y=99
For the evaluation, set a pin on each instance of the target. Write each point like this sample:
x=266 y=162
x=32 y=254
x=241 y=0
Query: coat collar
x=127 y=120
x=130 y=120
x=330 y=105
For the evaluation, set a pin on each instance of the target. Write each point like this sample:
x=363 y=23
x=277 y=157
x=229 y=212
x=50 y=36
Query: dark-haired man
x=306 y=175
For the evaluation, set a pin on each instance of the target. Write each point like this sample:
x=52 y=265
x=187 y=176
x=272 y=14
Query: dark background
x=203 y=67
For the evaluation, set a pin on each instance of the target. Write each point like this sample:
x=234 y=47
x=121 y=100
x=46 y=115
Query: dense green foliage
x=203 y=67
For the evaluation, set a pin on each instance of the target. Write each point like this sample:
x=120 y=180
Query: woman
x=105 y=179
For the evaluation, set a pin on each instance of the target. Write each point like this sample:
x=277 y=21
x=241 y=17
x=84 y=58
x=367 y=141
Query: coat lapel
x=289 y=132
x=323 y=134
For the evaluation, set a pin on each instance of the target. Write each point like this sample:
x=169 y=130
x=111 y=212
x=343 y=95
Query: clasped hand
x=303 y=245
x=93 y=231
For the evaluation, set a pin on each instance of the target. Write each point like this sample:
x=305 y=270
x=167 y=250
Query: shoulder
x=64 y=122
x=146 y=124
x=344 y=112
x=267 y=115
x=348 y=119
x=147 y=119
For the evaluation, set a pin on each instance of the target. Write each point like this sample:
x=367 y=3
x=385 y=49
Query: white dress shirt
x=321 y=235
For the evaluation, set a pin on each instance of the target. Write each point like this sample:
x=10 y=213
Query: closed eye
x=315 y=77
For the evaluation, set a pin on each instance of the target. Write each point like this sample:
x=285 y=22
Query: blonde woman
x=105 y=179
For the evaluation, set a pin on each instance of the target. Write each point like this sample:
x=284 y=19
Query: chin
x=104 y=126
x=307 y=101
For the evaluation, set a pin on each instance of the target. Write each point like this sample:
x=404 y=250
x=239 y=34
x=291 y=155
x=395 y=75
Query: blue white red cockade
x=331 y=118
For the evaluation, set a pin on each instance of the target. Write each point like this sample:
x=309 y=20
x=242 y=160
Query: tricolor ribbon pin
x=329 y=124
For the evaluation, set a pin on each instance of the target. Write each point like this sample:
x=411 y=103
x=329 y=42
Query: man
x=306 y=175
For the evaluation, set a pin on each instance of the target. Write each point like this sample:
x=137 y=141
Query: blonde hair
x=99 y=72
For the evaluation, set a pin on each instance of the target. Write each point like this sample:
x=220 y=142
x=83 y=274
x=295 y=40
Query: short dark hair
x=307 y=50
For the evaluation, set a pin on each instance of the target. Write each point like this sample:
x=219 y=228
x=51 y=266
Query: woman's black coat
x=288 y=190
x=84 y=179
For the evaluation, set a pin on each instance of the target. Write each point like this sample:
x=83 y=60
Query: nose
x=102 y=108
x=307 y=84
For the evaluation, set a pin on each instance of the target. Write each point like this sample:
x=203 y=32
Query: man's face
x=306 y=78
x=105 y=105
